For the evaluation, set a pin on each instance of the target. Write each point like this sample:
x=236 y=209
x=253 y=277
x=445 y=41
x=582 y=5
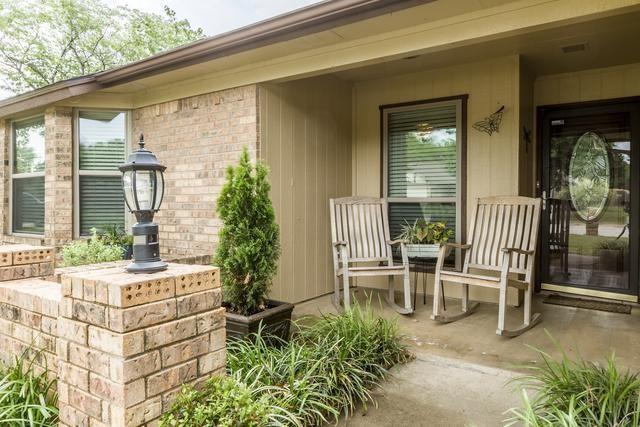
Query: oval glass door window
x=589 y=176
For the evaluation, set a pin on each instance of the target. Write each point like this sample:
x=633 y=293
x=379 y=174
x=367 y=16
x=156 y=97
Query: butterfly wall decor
x=490 y=124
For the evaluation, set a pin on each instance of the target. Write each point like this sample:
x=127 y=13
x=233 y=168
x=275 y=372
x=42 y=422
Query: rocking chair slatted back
x=362 y=223
x=559 y=217
x=503 y=222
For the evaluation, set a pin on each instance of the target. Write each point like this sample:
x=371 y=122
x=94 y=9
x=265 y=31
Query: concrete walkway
x=434 y=391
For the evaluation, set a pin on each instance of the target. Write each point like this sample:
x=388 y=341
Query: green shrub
x=249 y=247
x=114 y=235
x=579 y=393
x=27 y=398
x=92 y=251
x=221 y=402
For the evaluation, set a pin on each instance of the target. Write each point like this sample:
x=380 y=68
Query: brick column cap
x=123 y=289
x=25 y=254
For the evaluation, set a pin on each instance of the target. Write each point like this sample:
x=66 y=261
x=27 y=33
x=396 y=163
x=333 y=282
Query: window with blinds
x=27 y=176
x=422 y=164
x=100 y=149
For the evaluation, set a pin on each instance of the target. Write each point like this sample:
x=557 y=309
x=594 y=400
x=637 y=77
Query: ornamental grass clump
x=27 y=398
x=578 y=393
x=325 y=370
x=249 y=245
x=328 y=368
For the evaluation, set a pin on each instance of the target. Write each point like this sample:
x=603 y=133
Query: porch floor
x=463 y=363
x=591 y=334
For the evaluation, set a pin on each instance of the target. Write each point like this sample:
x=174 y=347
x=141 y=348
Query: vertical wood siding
x=492 y=165
x=305 y=138
x=492 y=161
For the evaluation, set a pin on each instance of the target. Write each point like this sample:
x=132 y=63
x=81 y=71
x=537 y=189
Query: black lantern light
x=143 y=184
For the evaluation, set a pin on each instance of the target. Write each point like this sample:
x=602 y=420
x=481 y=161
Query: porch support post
x=58 y=176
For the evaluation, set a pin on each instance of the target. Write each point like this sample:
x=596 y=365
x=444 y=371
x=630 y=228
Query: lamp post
x=143 y=185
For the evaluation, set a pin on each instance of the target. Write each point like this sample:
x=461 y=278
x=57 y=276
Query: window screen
x=422 y=164
x=101 y=149
x=28 y=176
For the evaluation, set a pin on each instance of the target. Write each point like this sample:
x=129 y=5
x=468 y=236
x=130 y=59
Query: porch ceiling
x=608 y=42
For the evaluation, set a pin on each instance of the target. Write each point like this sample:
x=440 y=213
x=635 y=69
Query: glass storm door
x=589 y=186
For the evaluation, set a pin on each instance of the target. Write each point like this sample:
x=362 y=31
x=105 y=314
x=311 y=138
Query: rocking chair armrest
x=517 y=250
x=397 y=242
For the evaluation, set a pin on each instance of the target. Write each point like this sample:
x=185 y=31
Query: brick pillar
x=5 y=174
x=128 y=342
x=58 y=176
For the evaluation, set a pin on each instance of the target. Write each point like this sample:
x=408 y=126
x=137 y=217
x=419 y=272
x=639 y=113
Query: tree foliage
x=45 y=41
x=249 y=246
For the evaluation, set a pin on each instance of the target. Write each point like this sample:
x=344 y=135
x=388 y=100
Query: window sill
x=28 y=235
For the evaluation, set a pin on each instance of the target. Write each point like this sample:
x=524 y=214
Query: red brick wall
x=196 y=138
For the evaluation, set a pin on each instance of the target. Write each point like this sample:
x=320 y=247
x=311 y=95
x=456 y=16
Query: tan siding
x=527 y=155
x=306 y=141
x=589 y=85
x=492 y=167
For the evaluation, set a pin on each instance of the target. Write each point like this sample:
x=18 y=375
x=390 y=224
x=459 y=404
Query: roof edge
x=308 y=20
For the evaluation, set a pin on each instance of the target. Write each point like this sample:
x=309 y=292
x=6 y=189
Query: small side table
x=423 y=265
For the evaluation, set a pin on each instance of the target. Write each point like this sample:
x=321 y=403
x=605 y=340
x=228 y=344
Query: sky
x=213 y=16
x=217 y=16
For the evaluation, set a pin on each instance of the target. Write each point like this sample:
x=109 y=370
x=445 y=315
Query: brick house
x=323 y=95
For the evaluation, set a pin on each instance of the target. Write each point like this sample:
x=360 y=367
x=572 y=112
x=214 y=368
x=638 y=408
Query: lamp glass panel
x=127 y=185
x=145 y=189
x=159 y=189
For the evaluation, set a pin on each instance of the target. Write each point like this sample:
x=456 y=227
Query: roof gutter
x=301 y=22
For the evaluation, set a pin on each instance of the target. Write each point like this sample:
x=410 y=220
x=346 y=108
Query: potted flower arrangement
x=248 y=253
x=424 y=237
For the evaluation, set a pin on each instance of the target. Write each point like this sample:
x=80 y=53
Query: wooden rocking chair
x=360 y=234
x=502 y=238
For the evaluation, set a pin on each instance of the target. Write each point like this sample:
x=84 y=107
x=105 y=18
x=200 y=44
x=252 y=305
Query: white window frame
x=458 y=199
x=13 y=176
x=76 y=165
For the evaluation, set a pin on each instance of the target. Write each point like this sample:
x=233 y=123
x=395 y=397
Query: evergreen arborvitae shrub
x=249 y=245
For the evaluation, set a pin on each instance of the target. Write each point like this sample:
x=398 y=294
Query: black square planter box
x=276 y=321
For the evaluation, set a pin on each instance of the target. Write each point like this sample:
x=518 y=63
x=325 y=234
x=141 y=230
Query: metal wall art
x=490 y=124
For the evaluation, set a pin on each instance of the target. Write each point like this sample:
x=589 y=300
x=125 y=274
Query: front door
x=589 y=185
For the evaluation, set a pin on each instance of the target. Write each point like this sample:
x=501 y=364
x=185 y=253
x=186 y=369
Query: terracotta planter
x=276 y=321
x=423 y=250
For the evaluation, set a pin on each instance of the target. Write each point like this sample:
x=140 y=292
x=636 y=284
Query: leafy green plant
x=578 y=393
x=249 y=245
x=94 y=250
x=222 y=402
x=79 y=38
x=114 y=235
x=27 y=397
x=422 y=232
x=614 y=245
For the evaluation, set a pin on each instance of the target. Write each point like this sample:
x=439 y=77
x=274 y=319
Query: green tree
x=45 y=41
x=249 y=246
